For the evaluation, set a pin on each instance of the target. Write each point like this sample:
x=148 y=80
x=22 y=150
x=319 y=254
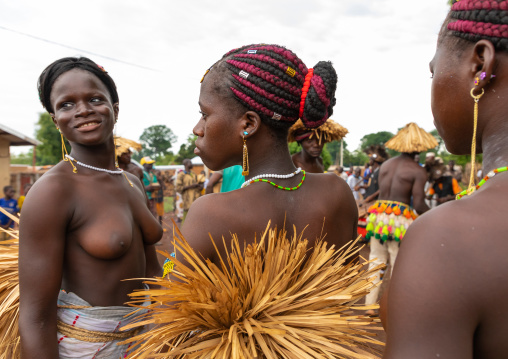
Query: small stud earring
x=245 y=133
x=476 y=81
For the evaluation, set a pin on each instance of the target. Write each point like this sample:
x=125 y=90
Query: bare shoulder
x=49 y=204
x=207 y=216
x=55 y=184
x=329 y=184
x=432 y=293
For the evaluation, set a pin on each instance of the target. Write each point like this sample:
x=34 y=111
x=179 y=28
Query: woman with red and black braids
x=248 y=101
x=448 y=294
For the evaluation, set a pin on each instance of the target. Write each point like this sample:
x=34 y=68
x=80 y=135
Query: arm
x=153 y=268
x=371 y=197
x=214 y=178
x=429 y=314
x=179 y=183
x=43 y=231
x=418 y=192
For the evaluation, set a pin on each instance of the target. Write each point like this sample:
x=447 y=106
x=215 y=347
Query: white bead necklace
x=268 y=175
x=118 y=171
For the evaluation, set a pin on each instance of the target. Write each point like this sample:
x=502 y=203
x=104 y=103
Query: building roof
x=15 y=138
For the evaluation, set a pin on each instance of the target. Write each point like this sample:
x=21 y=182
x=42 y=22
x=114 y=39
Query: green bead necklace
x=281 y=187
x=482 y=182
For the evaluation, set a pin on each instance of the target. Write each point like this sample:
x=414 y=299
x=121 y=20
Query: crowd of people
x=94 y=215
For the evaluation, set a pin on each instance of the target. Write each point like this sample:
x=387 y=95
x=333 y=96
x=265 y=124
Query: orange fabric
x=455 y=185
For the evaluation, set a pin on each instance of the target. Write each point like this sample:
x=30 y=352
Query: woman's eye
x=203 y=115
x=66 y=105
x=95 y=99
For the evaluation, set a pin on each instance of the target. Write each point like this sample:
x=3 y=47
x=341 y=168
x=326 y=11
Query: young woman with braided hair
x=85 y=228
x=248 y=101
x=448 y=294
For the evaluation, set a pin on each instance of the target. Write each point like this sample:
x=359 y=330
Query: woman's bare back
x=323 y=206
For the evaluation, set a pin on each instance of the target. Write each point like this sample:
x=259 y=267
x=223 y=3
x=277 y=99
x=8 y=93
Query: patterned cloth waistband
x=392 y=207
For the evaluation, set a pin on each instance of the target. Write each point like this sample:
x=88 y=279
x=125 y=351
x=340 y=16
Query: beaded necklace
x=277 y=186
x=482 y=182
x=118 y=171
x=292 y=174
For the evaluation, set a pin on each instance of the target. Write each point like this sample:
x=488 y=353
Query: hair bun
x=321 y=96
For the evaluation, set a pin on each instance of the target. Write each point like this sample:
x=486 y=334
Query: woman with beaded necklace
x=85 y=228
x=248 y=101
x=448 y=294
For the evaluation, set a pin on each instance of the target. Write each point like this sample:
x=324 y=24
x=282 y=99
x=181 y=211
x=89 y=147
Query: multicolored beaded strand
x=281 y=187
x=482 y=182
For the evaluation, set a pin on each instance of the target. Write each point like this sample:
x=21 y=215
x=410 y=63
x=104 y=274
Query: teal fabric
x=148 y=179
x=232 y=178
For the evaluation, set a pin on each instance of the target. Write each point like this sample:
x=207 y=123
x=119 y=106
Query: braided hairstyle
x=269 y=79
x=57 y=68
x=473 y=20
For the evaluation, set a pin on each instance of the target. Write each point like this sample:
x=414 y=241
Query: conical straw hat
x=327 y=132
x=124 y=144
x=411 y=139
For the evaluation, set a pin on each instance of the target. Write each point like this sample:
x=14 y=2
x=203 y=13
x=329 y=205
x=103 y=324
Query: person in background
x=401 y=183
x=342 y=174
x=177 y=200
x=377 y=155
x=10 y=205
x=21 y=198
x=454 y=171
x=188 y=186
x=123 y=151
x=231 y=179
x=444 y=187
x=150 y=182
x=159 y=196
x=354 y=182
x=312 y=141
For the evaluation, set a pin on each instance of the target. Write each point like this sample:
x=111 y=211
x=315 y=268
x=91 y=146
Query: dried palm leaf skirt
x=276 y=298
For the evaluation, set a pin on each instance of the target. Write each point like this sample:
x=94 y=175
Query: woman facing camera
x=448 y=292
x=248 y=101
x=85 y=228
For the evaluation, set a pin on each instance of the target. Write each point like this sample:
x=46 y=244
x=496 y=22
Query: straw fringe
x=124 y=144
x=274 y=299
x=327 y=132
x=9 y=294
x=411 y=139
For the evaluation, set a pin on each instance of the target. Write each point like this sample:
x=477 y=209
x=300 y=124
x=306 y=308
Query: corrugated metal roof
x=15 y=138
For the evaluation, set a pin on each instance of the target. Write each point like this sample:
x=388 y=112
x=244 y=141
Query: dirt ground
x=165 y=245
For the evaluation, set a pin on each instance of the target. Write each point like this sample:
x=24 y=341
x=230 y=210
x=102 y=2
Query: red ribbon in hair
x=305 y=90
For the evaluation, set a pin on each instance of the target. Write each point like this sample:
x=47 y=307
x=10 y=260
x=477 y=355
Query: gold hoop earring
x=245 y=161
x=471 y=188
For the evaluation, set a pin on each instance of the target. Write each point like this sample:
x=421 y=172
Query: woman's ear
x=483 y=61
x=250 y=123
x=53 y=119
x=116 y=109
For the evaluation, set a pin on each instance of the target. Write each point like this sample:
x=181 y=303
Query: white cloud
x=380 y=49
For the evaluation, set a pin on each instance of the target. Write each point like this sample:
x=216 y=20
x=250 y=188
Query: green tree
x=50 y=152
x=378 y=138
x=186 y=149
x=22 y=158
x=158 y=139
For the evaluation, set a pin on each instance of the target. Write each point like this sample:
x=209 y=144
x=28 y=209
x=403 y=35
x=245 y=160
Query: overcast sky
x=157 y=52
